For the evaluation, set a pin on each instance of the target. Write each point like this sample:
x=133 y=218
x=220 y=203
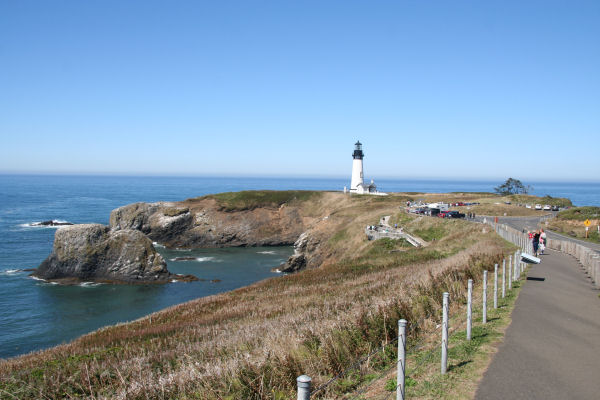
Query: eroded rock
x=94 y=252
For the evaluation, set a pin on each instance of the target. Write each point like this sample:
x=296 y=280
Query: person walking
x=542 y=241
x=536 y=242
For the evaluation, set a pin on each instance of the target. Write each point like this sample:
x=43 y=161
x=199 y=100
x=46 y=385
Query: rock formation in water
x=51 y=223
x=123 y=251
x=200 y=223
x=94 y=252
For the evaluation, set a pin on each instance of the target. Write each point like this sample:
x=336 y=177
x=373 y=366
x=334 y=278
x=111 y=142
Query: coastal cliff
x=93 y=252
x=201 y=224
x=123 y=251
x=263 y=218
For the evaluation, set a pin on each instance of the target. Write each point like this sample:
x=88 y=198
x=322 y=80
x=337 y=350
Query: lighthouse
x=357 y=167
x=357 y=184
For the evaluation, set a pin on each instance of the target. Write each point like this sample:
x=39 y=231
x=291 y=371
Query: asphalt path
x=551 y=349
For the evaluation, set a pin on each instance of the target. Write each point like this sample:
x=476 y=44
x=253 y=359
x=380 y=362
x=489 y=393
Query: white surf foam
x=37 y=224
x=204 y=259
x=9 y=272
x=37 y=279
x=156 y=244
x=89 y=284
x=266 y=252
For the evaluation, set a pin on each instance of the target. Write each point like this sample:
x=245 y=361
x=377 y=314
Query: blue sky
x=464 y=89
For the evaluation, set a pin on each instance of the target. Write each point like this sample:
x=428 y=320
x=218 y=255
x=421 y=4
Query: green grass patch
x=431 y=233
x=251 y=199
x=339 y=237
x=387 y=245
x=553 y=201
x=580 y=213
x=467 y=360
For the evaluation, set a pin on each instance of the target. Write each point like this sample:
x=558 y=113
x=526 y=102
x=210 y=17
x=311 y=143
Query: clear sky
x=438 y=89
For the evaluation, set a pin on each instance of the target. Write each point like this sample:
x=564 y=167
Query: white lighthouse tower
x=357 y=168
x=357 y=184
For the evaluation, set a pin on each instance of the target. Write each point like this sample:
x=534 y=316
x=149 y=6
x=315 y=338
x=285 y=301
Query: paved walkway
x=552 y=347
x=533 y=223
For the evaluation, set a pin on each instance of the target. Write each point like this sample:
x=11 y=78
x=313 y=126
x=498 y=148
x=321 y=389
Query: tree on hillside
x=512 y=186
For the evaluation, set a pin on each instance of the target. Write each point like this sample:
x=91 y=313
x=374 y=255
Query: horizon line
x=290 y=176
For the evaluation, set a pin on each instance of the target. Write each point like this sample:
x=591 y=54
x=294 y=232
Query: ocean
x=35 y=315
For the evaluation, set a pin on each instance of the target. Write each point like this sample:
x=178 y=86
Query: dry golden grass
x=253 y=342
x=575 y=228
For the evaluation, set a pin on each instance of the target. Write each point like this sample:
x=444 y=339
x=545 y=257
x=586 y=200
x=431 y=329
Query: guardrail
x=380 y=232
x=588 y=258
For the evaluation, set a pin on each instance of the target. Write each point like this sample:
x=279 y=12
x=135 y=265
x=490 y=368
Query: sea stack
x=94 y=252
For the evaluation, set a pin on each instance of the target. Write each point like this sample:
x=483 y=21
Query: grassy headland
x=253 y=342
x=252 y=199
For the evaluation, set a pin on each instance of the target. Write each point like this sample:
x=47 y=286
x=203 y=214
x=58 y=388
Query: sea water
x=35 y=315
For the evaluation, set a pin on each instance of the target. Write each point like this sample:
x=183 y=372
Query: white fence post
x=503 y=278
x=469 y=308
x=303 y=383
x=495 y=286
x=484 y=318
x=510 y=273
x=445 y=334
x=401 y=359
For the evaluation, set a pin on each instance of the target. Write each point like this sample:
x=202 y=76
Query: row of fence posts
x=515 y=268
x=514 y=271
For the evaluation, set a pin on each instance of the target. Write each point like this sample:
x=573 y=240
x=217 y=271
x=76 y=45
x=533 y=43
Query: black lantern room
x=358 y=153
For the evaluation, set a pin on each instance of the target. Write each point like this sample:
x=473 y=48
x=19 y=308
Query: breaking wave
x=89 y=284
x=204 y=259
x=50 y=224
x=9 y=272
x=198 y=259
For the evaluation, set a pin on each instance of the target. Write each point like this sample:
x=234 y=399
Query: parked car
x=434 y=211
x=443 y=214
x=527 y=205
x=547 y=207
x=554 y=208
x=454 y=214
x=538 y=206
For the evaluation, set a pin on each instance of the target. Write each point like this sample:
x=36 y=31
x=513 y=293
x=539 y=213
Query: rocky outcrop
x=201 y=223
x=94 y=252
x=123 y=251
x=304 y=254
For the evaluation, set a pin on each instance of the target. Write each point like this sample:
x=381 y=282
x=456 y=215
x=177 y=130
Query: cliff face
x=200 y=223
x=92 y=252
x=123 y=251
